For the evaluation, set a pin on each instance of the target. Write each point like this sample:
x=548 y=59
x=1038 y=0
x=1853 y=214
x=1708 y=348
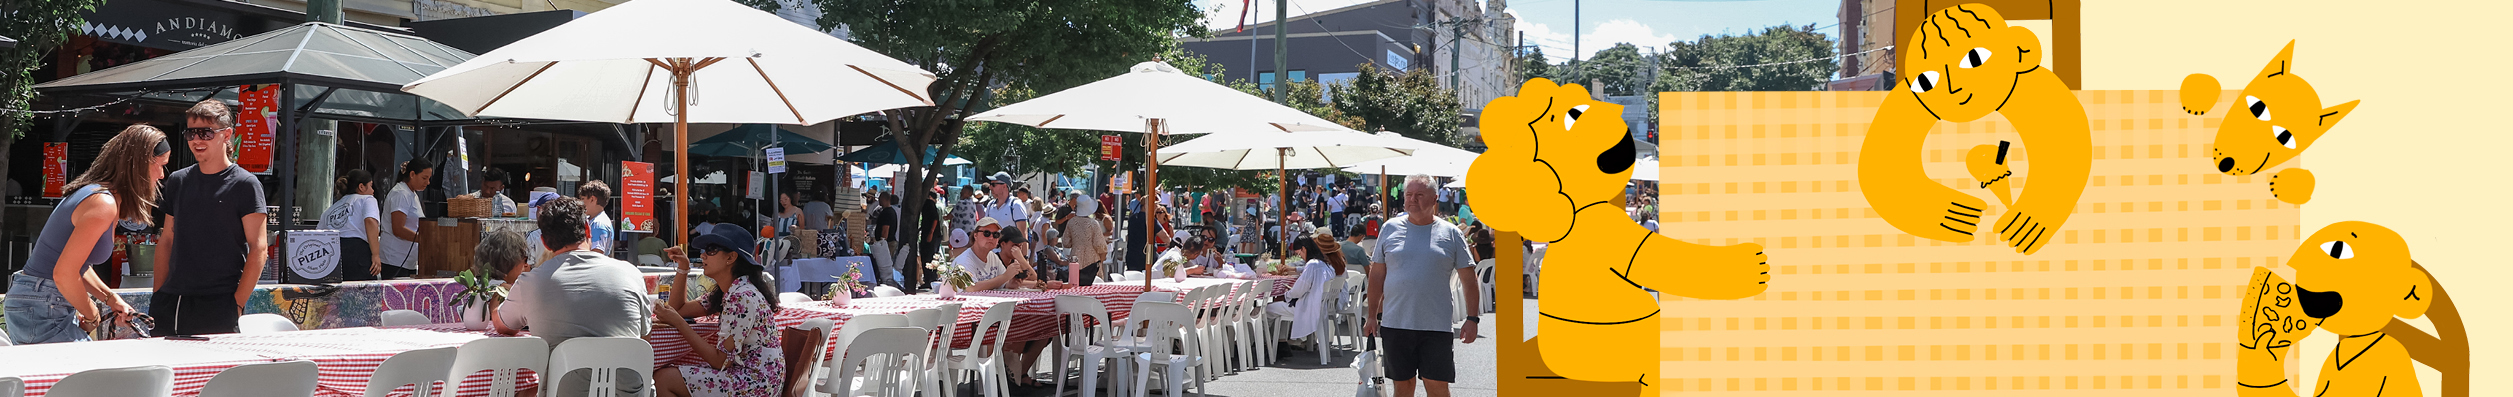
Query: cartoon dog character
x=2352 y=279
x=1965 y=63
x=1565 y=159
x=2280 y=117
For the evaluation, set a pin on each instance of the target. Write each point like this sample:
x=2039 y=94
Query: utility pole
x=1457 y=33
x=1282 y=49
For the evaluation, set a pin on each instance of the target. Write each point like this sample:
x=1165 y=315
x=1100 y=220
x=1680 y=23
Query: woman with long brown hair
x=1310 y=294
x=118 y=190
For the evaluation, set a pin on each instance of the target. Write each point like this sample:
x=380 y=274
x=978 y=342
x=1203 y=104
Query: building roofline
x=1382 y=36
x=1218 y=32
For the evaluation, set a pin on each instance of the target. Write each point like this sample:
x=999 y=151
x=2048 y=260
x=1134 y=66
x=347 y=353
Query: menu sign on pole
x=56 y=168
x=1109 y=146
x=637 y=196
x=776 y=160
x=255 y=121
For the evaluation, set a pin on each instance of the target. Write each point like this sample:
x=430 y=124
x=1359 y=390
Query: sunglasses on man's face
x=988 y=234
x=200 y=134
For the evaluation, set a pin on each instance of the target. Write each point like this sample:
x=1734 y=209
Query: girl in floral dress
x=747 y=359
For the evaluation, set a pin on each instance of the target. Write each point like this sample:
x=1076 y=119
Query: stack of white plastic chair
x=924 y=319
x=1483 y=271
x=843 y=379
x=1246 y=308
x=947 y=324
x=1164 y=323
x=1351 y=312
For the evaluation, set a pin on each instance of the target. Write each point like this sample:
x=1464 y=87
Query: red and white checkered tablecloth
x=346 y=358
x=42 y=366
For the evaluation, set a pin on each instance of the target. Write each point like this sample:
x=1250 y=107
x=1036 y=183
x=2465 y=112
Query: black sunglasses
x=988 y=234
x=714 y=249
x=200 y=134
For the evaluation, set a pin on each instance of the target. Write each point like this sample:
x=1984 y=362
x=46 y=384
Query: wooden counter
x=446 y=244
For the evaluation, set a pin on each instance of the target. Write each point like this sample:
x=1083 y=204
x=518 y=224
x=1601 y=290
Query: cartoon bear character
x=1557 y=162
x=2352 y=279
x=2280 y=116
x=1965 y=63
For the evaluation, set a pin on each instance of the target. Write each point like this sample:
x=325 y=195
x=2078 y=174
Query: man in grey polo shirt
x=1409 y=277
x=577 y=293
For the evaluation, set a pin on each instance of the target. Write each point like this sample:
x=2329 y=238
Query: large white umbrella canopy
x=1156 y=99
x=1428 y=159
x=612 y=66
x=1154 y=90
x=678 y=61
x=1280 y=150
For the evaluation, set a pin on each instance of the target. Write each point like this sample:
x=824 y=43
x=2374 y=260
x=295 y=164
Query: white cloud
x=1557 y=45
x=1623 y=31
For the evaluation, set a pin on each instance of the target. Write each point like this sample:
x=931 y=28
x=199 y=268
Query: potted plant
x=1170 y=266
x=478 y=292
x=847 y=286
x=954 y=278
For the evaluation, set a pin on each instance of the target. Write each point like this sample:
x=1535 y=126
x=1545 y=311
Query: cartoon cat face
x=1967 y=62
x=2278 y=117
x=2354 y=276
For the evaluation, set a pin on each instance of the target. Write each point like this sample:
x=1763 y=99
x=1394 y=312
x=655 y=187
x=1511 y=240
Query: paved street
x=1299 y=374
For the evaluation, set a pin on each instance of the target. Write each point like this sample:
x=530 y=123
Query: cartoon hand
x=2293 y=186
x=1988 y=164
x=2198 y=93
x=1706 y=272
x=2031 y=227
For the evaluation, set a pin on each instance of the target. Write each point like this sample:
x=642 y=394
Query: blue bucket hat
x=729 y=236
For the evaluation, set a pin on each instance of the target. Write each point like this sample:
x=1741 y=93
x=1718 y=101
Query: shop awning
x=364 y=70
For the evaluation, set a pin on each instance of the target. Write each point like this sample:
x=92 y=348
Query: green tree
x=1533 y=65
x=1703 y=64
x=976 y=47
x=1621 y=69
x=1410 y=103
x=38 y=25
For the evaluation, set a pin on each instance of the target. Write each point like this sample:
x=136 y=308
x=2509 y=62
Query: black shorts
x=192 y=314
x=1427 y=354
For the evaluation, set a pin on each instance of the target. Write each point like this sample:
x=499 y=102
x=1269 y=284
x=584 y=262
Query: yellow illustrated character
x=2280 y=117
x=1557 y=162
x=1964 y=63
x=2354 y=279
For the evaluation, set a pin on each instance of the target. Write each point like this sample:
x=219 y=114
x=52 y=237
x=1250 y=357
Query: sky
x=1603 y=23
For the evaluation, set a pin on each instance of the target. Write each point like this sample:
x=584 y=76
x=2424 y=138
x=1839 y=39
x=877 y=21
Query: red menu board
x=255 y=121
x=1109 y=146
x=56 y=168
x=637 y=196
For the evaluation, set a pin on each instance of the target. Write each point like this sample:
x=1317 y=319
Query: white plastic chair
x=421 y=368
x=501 y=357
x=1165 y=323
x=947 y=324
x=602 y=358
x=985 y=355
x=1157 y=296
x=396 y=318
x=144 y=381
x=1246 y=333
x=1134 y=275
x=1084 y=342
x=887 y=291
x=650 y=260
x=263 y=323
x=12 y=386
x=793 y=297
x=845 y=340
x=279 y=379
x=900 y=344
x=1483 y=272
x=4 y=341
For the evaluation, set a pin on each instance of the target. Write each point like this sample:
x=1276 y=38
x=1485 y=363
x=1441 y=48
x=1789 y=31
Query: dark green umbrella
x=749 y=140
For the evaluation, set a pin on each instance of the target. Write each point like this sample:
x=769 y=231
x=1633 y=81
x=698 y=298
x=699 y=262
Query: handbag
x=122 y=325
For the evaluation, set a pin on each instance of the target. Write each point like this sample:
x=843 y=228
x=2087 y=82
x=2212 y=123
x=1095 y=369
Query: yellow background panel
x=2134 y=298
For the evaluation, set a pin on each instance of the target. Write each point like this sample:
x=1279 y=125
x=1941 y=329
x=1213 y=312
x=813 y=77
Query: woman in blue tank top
x=120 y=188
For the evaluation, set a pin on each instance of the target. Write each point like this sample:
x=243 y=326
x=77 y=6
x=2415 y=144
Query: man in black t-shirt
x=221 y=239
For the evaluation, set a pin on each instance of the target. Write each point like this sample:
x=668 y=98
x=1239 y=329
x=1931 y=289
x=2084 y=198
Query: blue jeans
x=38 y=314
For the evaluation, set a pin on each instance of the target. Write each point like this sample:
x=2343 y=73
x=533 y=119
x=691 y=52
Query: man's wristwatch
x=1474 y=319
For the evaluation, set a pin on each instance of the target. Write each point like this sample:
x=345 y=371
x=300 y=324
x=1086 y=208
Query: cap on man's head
x=987 y=221
x=1000 y=177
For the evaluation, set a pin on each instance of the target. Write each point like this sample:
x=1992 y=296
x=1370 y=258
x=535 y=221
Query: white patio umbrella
x=679 y=61
x=1156 y=99
x=1428 y=159
x=1288 y=150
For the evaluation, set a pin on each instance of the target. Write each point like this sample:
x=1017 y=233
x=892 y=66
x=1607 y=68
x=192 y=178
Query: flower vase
x=945 y=288
x=840 y=298
x=1175 y=275
x=475 y=316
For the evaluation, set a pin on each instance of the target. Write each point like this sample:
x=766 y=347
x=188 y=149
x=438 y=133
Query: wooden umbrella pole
x=680 y=152
x=1151 y=173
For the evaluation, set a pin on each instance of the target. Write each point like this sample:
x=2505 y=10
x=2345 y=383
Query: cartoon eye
x=1926 y=81
x=2258 y=109
x=1974 y=58
x=1572 y=117
x=2338 y=249
x=2284 y=137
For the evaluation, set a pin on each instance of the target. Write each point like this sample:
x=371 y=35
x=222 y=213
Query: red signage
x=56 y=168
x=1109 y=146
x=637 y=196
x=255 y=121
